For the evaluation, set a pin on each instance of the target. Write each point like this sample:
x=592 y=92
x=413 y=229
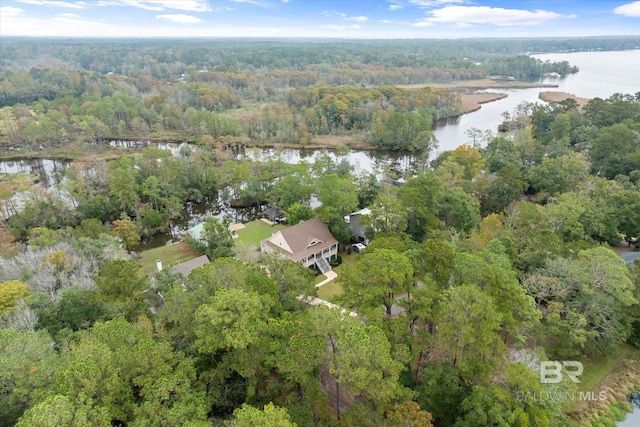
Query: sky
x=354 y=19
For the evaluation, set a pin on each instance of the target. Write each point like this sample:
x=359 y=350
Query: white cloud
x=395 y=7
x=187 y=5
x=10 y=12
x=421 y=24
x=254 y=2
x=132 y=3
x=476 y=15
x=334 y=13
x=55 y=3
x=180 y=18
x=341 y=27
x=434 y=3
x=344 y=16
x=629 y=9
x=73 y=19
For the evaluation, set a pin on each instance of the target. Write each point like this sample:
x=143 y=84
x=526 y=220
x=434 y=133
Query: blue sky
x=364 y=19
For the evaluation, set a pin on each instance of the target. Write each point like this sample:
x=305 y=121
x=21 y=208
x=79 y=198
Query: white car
x=358 y=247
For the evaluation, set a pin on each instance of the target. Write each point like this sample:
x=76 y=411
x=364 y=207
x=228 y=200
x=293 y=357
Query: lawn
x=169 y=255
x=334 y=287
x=254 y=232
x=330 y=290
x=348 y=263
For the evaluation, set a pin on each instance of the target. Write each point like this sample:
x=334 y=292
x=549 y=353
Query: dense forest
x=267 y=91
x=489 y=260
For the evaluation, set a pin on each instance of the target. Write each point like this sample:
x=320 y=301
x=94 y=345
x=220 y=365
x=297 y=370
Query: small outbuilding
x=275 y=215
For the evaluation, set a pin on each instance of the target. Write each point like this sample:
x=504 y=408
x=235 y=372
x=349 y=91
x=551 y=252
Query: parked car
x=358 y=247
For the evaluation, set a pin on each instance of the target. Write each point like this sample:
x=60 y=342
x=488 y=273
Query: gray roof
x=630 y=257
x=186 y=267
x=273 y=213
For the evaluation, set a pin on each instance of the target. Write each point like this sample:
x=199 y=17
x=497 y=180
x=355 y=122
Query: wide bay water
x=601 y=75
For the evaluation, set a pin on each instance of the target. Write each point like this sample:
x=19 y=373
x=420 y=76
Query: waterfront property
x=308 y=242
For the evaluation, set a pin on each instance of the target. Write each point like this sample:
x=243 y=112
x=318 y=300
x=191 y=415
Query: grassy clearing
x=169 y=255
x=330 y=290
x=348 y=263
x=595 y=374
x=334 y=287
x=596 y=369
x=254 y=232
x=319 y=278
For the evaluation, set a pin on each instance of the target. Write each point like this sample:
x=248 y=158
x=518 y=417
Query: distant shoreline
x=472 y=101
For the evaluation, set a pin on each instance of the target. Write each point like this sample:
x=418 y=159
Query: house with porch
x=308 y=242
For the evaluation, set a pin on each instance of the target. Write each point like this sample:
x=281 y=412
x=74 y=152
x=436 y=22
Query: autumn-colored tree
x=408 y=414
x=127 y=231
x=10 y=292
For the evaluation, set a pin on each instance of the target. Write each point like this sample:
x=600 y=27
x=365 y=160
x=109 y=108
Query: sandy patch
x=236 y=227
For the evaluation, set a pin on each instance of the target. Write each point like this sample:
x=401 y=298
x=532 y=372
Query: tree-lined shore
x=480 y=264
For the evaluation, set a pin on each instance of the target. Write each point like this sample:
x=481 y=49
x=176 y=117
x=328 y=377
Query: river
x=633 y=418
x=601 y=75
x=49 y=172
